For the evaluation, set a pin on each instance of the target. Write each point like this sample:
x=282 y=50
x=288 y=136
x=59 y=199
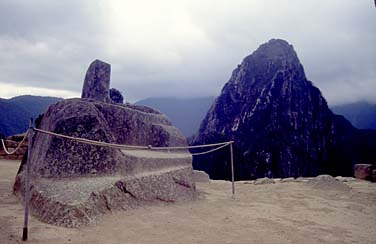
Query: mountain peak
x=268 y=63
x=279 y=121
x=275 y=51
x=276 y=47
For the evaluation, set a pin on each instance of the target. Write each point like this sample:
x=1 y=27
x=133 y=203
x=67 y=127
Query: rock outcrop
x=97 y=82
x=57 y=157
x=280 y=122
x=116 y=96
x=363 y=171
x=73 y=182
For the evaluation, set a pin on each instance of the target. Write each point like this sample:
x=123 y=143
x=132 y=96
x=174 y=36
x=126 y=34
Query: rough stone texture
x=289 y=179
x=74 y=202
x=116 y=96
x=97 y=82
x=148 y=175
x=264 y=181
x=346 y=179
x=73 y=182
x=280 y=123
x=328 y=183
x=200 y=176
x=363 y=171
x=373 y=177
x=57 y=157
x=303 y=179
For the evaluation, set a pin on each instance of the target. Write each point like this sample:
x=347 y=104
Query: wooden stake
x=232 y=172
x=27 y=183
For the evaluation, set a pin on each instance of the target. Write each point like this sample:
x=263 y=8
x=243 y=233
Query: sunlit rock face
x=279 y=120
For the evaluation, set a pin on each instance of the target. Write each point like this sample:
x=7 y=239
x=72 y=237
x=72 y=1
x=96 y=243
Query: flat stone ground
x=289 y=212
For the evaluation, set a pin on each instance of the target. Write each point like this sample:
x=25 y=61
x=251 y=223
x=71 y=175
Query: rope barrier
x=125 y=147
x=212 y=150
x=31 y=131
x=192 y=147
x=91 y=142
x=18 y=146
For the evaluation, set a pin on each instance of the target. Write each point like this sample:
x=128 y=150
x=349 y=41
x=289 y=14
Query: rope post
x=27 y=183
x=232 y=172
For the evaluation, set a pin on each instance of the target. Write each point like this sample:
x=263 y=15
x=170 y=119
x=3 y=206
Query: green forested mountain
x=16 y=112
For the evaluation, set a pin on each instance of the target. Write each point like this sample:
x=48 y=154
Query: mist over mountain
x=361 y=114
x=280 y=122
x=185 y=113
x=16 y=112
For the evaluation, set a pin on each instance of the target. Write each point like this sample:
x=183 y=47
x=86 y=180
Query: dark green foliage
x=16 y=112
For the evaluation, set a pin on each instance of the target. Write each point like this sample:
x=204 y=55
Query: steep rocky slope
x=280 y=122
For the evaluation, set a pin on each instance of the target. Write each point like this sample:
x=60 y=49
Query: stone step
x=73 y=202
x=78 y=189
x=139 y=161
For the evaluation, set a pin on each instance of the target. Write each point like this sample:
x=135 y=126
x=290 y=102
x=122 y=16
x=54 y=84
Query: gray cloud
x=183 y=48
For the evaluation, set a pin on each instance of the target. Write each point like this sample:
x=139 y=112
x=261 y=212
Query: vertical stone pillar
x=97 y=82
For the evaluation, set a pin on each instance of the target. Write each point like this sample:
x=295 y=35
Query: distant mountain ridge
x=16 y=112
x=361 y=114
x=185 y=113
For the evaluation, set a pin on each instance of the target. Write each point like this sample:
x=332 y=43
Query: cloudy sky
x=184 y=48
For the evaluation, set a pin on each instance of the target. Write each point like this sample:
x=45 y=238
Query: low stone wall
x=365 y=172
x=11 y=143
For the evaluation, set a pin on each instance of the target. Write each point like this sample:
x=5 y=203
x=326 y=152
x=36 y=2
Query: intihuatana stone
x=75 y=182
x=97 y=82
x=58 y=157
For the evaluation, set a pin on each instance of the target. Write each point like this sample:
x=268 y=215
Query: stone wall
x=365 y=172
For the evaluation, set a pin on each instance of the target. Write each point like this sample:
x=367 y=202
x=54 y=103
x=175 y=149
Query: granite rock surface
x=97 y=82
x=116 y=96
x=74 y=182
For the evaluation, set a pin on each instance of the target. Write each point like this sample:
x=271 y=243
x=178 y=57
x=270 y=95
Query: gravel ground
x=293 y=211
